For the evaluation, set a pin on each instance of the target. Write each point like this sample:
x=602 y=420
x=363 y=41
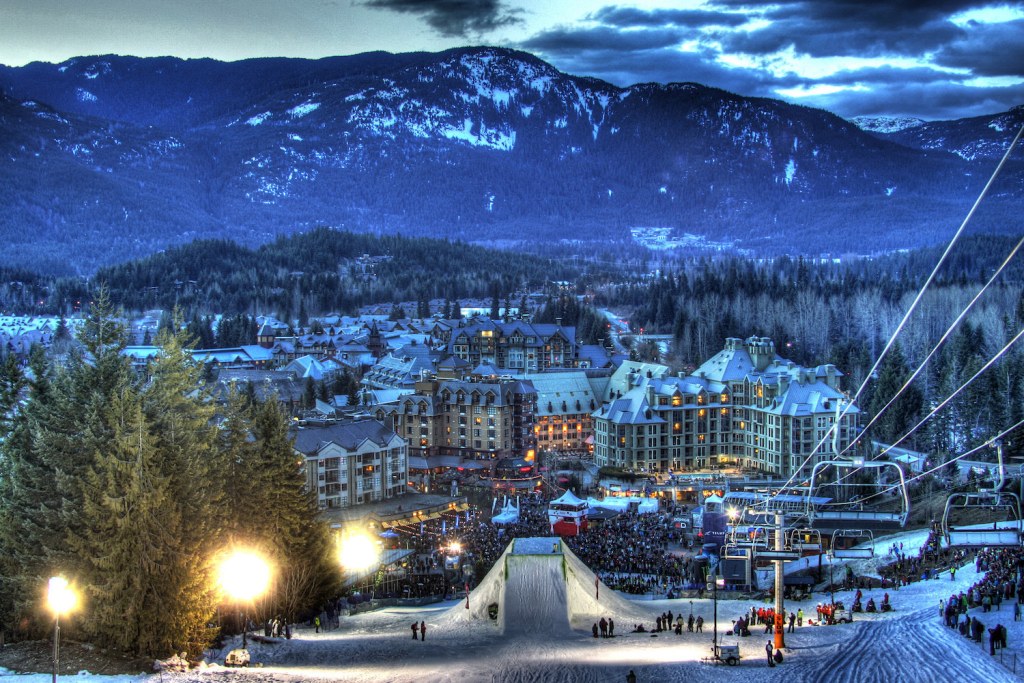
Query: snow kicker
x=539 y=587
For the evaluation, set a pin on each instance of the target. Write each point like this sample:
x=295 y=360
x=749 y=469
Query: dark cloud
x=604 y=39
x=937 y=102
x=456 y=18
x=820 y=38
x=987 y=50
x=626 y=58
x=890 y=15
x=630 y=17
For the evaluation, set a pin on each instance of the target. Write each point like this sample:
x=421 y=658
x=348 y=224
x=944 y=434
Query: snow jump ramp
x=540 y=587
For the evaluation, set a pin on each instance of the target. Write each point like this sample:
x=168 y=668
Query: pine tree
x=899 y=417
x=126 y=542
x=290 y=524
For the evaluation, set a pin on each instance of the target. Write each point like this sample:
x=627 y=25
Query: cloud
x=820 y=38
x=629 y=17
x=936 y=101
x=900 y=57
x=892 y=15
x=987 y=50
x=456 y=18
x=628 y=57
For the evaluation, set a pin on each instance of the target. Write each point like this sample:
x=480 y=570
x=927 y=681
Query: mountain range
x=109 y=158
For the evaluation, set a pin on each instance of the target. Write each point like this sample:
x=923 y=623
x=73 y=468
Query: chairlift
x=733 y=551
x=991 y=502
x=804 y=539
x=843 y=514
x=862 y=546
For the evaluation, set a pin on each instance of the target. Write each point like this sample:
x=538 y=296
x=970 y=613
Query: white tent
x=621 y=503
x=509 y=513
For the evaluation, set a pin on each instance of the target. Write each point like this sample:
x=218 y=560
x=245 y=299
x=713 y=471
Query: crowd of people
x=1003 y=580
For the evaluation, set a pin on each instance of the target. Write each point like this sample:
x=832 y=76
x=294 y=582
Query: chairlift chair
x=993 y=501
x=862 y=549
x=804 y=539
x=846 y=515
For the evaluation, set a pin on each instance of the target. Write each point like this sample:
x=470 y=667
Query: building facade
x=353 y=463
x=566 y=400
x=515 y=346
x=475 y=419
x=744 y=407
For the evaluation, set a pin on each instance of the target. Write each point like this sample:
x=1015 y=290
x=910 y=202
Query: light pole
x=713 y=575
x=244 y=575
x=61 y=599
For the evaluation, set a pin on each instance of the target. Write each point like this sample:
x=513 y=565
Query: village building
x=352 y=463
x=745 y=407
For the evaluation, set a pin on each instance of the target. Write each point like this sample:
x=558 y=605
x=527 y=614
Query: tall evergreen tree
x=899 y=417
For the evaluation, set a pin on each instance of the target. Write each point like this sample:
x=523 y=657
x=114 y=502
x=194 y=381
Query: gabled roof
x=348 y=435
x=632 y=408
x=568 y=498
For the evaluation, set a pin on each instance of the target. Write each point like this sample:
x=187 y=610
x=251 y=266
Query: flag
x=467 y=595
x=597 y=588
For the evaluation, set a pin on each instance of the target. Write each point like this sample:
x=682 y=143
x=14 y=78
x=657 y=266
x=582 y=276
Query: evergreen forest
x=134 y=489
x=845 y=314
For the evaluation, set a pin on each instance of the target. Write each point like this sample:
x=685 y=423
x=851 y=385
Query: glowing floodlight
x=357 y=551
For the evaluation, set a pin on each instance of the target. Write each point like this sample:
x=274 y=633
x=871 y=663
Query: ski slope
x=908 y=645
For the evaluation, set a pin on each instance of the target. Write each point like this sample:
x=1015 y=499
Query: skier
x=415 y=630
x=771 y=652
x=611 y=628
x=423 y=630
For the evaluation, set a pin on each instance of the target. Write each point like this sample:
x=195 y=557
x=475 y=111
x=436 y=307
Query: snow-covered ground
x=910 y=644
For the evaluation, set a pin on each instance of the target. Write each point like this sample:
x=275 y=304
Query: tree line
x=844 y=313
x=134 y=488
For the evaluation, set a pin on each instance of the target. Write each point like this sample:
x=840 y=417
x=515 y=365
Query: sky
x=932 y=59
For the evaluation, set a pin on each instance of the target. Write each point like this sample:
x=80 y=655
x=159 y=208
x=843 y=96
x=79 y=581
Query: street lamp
x=244 y=575
x=61 y=599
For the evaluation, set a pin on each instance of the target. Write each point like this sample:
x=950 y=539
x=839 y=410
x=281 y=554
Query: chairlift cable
x=935 y=348
x=953 y=395
x=913 y=306
x=939 y=467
